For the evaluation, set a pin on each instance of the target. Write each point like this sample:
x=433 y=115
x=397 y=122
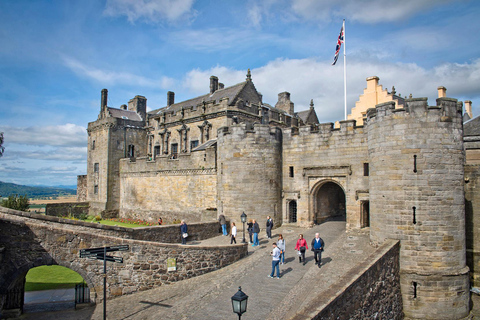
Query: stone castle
x=397 y=167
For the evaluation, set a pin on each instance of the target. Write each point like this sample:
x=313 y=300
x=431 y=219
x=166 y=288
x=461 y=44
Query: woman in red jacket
x=301 y=247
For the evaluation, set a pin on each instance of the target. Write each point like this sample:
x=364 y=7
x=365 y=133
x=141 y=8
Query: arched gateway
x=328 y=202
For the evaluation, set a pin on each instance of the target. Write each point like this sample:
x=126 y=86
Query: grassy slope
x=51 y=277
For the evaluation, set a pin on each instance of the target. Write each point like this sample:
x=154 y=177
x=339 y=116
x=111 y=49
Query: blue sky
x=56 y=57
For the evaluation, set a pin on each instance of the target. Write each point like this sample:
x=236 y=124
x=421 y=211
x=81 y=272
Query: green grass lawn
x=51 y=277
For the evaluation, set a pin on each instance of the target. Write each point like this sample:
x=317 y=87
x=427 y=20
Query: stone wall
x=372 y=290
x=249 y=174
x=30 y=242
x=321 y=154
x=72 y=209
x=472 y=222
x=82 y=188
x=417 y=196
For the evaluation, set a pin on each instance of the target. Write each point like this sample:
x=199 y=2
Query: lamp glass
x=243 y=217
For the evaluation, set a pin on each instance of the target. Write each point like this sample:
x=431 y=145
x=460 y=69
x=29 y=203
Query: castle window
x=291 y=173
x=95 y=189
x=414 y=284
x=156 y=150
x=193 y=144
x=292 y=211
x=174 y=150
x=93 y=145
x=366 y=169
x=96 y=167
x=131 y=151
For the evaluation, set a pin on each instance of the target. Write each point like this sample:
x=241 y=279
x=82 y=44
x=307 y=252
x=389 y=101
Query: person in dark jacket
x=317 y=247
x=223 y=222
x=184 y=232
x=256 y=231
x=250 y=230
x=269 y=227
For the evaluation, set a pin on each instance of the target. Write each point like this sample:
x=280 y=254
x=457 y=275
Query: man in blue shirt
x=317 y=248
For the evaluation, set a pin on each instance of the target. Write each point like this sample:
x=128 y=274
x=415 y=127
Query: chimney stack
x=170 y=98
x=213 y=84
x=221 y=86
x=103 y=102
x=442 y=92
x=468 y=108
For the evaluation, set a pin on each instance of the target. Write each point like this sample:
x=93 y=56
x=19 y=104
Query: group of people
x=278 y=252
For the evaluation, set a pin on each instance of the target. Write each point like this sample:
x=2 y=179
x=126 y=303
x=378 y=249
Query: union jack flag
x=339 y=44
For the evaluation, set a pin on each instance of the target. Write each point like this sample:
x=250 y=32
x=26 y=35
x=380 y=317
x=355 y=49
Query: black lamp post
x=239 y=303
x=243 y=217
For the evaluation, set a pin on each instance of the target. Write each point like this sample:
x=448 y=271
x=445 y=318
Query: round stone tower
x=249 y=176
x=417 y=196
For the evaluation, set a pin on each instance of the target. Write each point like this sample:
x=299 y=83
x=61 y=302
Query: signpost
x=101 y=254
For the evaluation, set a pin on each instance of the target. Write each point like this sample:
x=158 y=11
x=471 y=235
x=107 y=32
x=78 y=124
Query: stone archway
x=328 y=202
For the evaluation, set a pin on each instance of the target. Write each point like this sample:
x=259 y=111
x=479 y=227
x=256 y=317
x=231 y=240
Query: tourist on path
x=317 y=247
x=256 y=231
x=234 y=234
x=301 y=247
x=184 y=231
x=275 y=261
x=160 y=221
x=269 y=227
x=223 y=223
x=250 y=230
x=281 y=246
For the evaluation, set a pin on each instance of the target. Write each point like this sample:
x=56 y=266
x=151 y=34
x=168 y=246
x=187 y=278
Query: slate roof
x=230 y=92
x=472 y=127
x=308 y=116
x=204 y=146
x=124 y=114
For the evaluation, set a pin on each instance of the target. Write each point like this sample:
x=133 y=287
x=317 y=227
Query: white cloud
x=309 y=79
x=68 y=135
x=369 y=11
x=150 y=10
x=112 y=77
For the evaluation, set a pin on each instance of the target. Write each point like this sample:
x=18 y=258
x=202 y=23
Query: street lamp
x=243 y=217
x=239 y=303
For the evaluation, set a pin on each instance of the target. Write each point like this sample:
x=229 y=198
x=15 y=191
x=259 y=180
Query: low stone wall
x=372 y=291
x=31 y=242
x=164 y=233
x=67 y=209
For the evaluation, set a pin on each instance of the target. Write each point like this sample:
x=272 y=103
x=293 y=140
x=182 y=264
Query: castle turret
x=249 y=177
x=417 y=197
x=139 y=105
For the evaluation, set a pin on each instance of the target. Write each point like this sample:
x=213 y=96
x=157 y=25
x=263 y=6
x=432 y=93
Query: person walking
x=275 y=261
x=281 y=246
x=223 y=223
x=160 y=221
x=234 y=234
x=256 y=231
x=184 y=231
x=250 y=230
x=269 y=227
x=317 y=247
x=301 y=247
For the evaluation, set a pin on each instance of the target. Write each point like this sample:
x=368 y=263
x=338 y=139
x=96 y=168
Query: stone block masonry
x=30 y=242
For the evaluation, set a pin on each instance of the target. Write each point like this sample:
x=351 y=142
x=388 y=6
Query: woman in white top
x=281 y=246
x=233 y=233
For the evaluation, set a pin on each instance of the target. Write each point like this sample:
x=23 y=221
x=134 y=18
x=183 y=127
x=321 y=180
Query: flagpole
x=344 y=69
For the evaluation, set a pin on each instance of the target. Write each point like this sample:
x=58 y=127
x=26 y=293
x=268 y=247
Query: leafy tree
x=16 y=202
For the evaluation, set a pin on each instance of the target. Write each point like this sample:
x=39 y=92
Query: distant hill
x=7 y=189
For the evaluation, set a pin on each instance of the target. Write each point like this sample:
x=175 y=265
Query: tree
x=16 y=202
x=2 y=148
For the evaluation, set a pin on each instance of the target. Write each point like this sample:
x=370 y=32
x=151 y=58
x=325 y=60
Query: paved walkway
x=208 y=296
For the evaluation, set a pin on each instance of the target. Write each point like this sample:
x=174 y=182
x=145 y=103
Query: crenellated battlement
x=446 y=110
x=244 y=131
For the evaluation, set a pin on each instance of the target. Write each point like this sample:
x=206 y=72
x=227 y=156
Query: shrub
x=98 y=218
x=16 y=202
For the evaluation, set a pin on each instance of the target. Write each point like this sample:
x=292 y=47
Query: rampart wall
x=319 y=154
x=370 y=291
x=182 y=188
x=67 y=209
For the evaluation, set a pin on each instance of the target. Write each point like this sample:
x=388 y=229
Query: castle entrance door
x=329 y=203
